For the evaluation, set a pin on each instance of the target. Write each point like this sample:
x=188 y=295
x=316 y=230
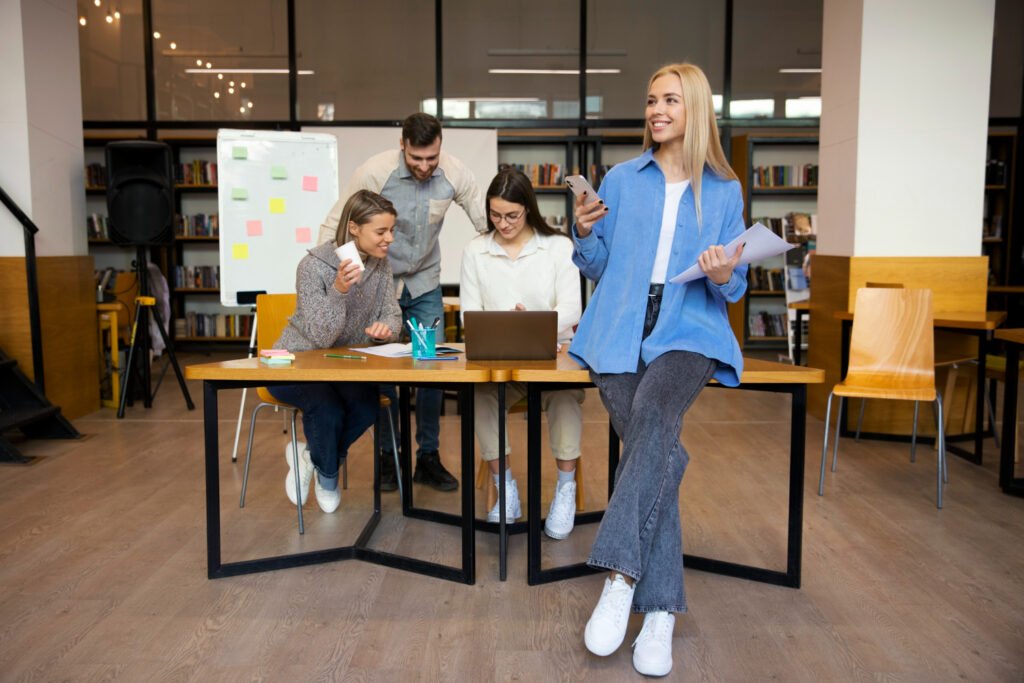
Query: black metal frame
x=980 y=430
x=1010 y=484
x=794 y=533
x=35 y=326
x=360 y=550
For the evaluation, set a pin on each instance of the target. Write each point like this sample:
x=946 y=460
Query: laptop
x=510 y=335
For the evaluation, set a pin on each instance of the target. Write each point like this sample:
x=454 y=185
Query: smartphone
x=579 y=185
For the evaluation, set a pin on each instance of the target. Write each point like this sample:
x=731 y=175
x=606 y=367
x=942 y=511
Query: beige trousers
x=565 y=419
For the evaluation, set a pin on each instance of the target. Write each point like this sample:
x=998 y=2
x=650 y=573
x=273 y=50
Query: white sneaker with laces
x=327 y=500
x=562 y=513
x=607 y=626
x=513 y=509
x=652 y=649
x=305 y=472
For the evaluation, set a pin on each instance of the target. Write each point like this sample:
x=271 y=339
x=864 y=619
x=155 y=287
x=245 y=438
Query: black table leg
x=1007 y=481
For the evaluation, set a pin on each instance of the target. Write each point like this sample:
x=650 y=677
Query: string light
x=156 y=35
x=209 y=65
x=231 y=83
x=216 y=95
x=199 y=62
x=249 y=105
x=174 y=46
x=231 y=91
x=81 y=20
x=117 y=14
x=96 y=2
x=220 y=77
x=241 y=110
x=242 y=84
x=110 y=18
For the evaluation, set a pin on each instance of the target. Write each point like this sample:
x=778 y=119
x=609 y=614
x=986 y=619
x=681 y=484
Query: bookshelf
x=191 y=263
x=997 y=239
x=779 y=177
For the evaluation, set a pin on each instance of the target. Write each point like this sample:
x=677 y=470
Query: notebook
x=510 y=335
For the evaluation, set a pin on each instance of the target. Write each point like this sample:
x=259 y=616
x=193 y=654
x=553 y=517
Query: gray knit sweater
x=325 y=318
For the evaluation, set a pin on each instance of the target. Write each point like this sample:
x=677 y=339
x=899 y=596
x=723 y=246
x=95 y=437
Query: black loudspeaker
x=140 y=193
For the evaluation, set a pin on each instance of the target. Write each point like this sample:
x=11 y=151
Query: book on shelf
x=765 y=279
x=597 y=173
x=98 y=226
x=95 y=176
x=196 y=277
x=196 y=172
x=212 y=325
x=765 y=324
x=797 y=175
x=541 y=175
x=198 y=225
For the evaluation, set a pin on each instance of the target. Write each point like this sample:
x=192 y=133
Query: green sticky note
x=239 y=193
x=278 y=173
x=240 y=251
x=277 y=205
x=239 y=152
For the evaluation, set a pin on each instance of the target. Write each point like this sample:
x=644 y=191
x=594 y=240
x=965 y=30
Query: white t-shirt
x=673 y=195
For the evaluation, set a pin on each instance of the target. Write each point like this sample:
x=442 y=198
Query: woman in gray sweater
x=338 y=304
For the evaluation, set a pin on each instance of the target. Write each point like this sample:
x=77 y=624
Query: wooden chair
x=892 y=356
x=272 y=313
x=483 y=472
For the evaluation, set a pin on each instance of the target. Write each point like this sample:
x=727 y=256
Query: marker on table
x=344 y=355
x=434 y=324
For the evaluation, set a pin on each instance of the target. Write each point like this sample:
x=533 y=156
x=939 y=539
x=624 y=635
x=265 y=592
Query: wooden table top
x=1013 y=335
x=966 y=320
x=313 y=366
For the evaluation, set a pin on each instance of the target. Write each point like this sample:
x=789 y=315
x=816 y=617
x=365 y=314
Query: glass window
x=1007 y=59
x=112 y=61
x=224 y=60
x=365 y=60
x=627 y=42
x=776 y=56
x=516 y=59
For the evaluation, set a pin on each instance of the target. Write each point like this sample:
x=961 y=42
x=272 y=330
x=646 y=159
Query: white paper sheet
x=396 y=350
x=760 y=244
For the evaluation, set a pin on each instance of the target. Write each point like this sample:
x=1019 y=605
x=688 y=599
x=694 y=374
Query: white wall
x=42 y=167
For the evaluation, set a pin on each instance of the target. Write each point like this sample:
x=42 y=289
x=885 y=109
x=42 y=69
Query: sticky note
x=239 y=193
x=277 y=205
x=254 y=228
x=240 y=251
x=303 y=235
x=309 y=183
x=278 y=172
x=239 y=152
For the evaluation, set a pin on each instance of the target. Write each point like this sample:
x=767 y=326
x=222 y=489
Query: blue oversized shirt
x=618 y=255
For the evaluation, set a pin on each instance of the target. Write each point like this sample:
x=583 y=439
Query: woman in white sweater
x=521 y=263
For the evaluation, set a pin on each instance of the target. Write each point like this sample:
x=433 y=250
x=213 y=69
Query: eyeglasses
x=509 y=218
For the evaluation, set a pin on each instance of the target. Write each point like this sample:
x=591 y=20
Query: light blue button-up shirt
x=618 y=255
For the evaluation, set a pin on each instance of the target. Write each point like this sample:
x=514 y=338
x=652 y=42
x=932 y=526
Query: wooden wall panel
x=67 y=302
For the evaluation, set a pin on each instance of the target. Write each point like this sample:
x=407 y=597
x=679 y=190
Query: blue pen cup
x=424 y=343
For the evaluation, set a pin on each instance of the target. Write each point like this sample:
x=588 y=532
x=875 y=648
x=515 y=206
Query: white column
x=905 y=95
x=42 y=165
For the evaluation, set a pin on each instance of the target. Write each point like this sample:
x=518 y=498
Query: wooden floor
x=103 y=565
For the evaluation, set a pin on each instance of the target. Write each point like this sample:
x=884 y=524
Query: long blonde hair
x=701 y=144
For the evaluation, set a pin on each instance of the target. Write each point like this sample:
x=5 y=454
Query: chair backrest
x=272 y=313
x=893 y=338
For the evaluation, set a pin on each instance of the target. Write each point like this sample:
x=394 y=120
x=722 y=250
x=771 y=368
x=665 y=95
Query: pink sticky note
x=303 y=235
x=254 y=228
x=309 y=183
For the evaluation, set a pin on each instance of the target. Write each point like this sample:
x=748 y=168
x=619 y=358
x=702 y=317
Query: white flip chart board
x=274 y=189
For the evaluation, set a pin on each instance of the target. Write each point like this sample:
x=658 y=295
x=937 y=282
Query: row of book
x=196 y=172
x=98 y=226
x=765 y=324
x=198 y=225
x=95 y=175
x=786 y=176
x=196 y=277
x=540 y=175
x=794 y=227
x=766 y=279
x=213 y=325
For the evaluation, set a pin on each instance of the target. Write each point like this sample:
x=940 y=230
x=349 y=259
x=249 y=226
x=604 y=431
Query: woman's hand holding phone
x=589 y=207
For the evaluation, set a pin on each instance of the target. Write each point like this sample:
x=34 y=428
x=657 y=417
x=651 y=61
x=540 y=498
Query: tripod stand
x=144 y=305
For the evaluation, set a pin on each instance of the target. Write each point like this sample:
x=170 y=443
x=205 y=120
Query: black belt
x=653 y=308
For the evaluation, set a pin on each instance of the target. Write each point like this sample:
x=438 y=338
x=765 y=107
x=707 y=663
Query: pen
x=434 y=324
x=343 y=355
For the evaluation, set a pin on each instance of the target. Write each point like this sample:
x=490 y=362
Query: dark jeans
x=425 y=308
x=334 y=415
x=640 y=534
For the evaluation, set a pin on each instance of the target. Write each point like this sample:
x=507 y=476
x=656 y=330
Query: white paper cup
x=349 y=251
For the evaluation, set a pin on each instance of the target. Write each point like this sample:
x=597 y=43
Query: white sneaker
x=607 y=626
x=327 y=500
x=652 y=649
x=305 y=472
x=562 y=513
x=513 y=510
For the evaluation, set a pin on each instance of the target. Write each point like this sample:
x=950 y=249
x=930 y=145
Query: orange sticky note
x=277 y=205
x=254 y=228
x=303 y=235
x=309 y=183
x=240 y=251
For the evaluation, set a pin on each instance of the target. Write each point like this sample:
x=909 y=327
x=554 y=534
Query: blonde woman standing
x=651 y=346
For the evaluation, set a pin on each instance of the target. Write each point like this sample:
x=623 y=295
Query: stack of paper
x=276 y=357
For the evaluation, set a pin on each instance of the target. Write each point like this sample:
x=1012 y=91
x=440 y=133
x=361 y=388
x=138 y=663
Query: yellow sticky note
x=240 y=251
x=278 y=172
x=277 y=205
